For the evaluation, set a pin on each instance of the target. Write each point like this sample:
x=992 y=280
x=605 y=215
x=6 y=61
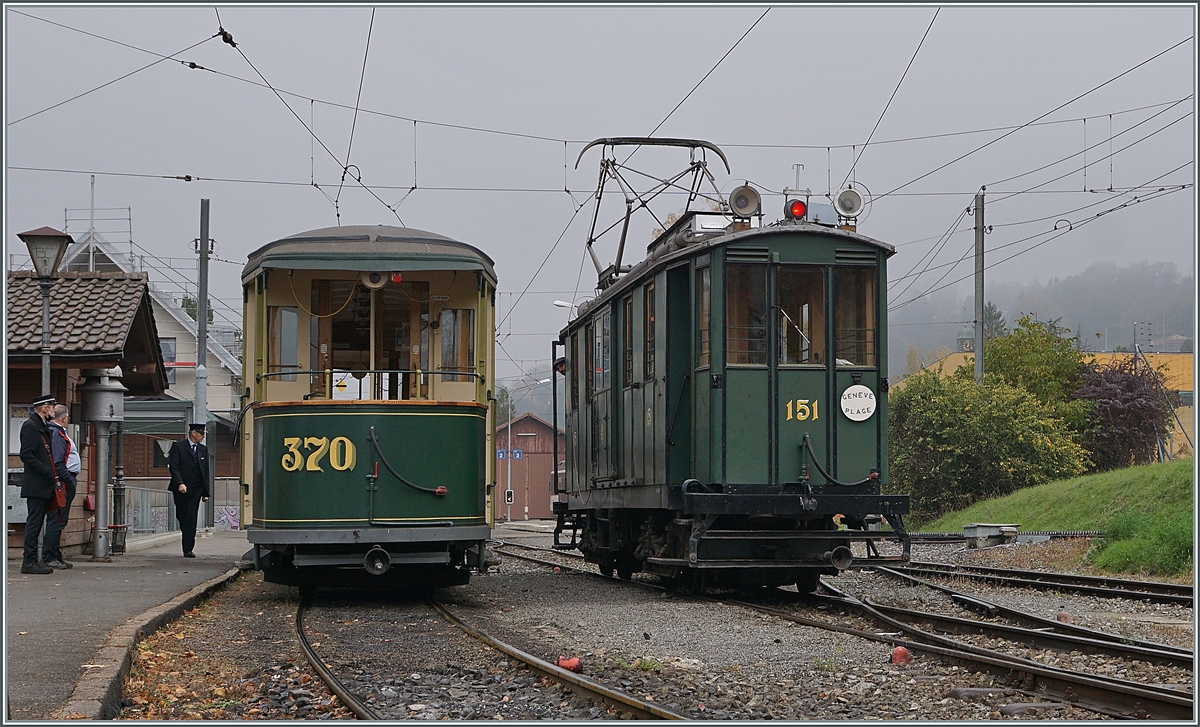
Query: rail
x=1105 y=695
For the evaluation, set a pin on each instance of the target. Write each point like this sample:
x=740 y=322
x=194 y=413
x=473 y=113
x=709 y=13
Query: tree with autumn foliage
x=1130 y=412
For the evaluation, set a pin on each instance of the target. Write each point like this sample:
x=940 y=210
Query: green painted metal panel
x=802 y=408
x=857 y=442
x=312 y=461
x=702 y=449
x=746 y=432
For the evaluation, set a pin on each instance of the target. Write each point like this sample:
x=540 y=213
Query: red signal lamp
x=397 y=278
x=795 y=209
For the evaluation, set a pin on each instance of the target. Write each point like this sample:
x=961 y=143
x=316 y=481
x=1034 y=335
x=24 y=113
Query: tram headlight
x=795 y=209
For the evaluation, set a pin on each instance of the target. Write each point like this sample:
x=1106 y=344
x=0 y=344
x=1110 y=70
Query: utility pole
x=201 y=407
x=979 y=231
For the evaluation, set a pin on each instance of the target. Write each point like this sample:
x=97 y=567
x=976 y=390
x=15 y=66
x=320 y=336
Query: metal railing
x=148 y=512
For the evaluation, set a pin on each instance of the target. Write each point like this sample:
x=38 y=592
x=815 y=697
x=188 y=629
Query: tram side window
x=572 y=363
x=627 y=374
x=602 y=372
x=283 y=351
x=648 y=362
x=746 y=315
x=589 y=365
x=457 y=329
x=801 y=315
x=704 y=315
x=854 y=319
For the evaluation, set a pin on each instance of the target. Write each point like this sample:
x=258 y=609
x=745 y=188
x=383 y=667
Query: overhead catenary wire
x=888 y=105
x=229 y=39
x=354 y=123
x=560 y=140
x=109 y=83
x=942 y=244
x=1039 y=118
x=1109 y=141
x=1061 y=231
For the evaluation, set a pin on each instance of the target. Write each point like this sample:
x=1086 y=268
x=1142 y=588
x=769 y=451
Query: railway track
x=588 y=688
x=1104 y=587
x=1121 y=698
x=1101 y=694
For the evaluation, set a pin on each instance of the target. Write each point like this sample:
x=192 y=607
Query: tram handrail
x=364 y=372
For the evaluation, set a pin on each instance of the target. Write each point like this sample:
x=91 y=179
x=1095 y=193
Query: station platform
x=69 y=634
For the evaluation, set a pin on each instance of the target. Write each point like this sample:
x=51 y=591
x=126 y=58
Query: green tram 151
x=367 y=443
x=726 y=400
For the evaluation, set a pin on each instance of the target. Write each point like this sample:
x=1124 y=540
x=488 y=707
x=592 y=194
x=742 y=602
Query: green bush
x=954 y=443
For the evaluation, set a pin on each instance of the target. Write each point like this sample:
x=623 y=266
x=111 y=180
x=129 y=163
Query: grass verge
x=1145 y=512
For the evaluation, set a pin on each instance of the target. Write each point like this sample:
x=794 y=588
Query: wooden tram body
x=367 y=435
x=726 y=407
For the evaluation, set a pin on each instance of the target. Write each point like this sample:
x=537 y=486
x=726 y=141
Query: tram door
x=747 y=323
x=679 y=370
x=802 y=365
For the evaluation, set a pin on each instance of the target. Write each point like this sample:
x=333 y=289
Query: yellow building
x=1178 y=373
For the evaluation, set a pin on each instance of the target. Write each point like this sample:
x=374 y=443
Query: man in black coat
x=37 y=481
x=188 y=464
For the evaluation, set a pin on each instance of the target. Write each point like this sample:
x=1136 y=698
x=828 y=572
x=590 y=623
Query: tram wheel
x=625 y=569
x=699 y=582
x=606 y=567
x=808 y=583
x=307 y=592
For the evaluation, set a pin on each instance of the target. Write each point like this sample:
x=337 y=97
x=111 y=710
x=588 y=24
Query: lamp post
x=46 y=247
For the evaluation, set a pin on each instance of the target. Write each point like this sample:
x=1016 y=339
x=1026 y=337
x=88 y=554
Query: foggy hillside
x=1101 y=304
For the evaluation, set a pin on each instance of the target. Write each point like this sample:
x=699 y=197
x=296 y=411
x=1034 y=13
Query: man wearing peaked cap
x=188 y=464
x=37 y=481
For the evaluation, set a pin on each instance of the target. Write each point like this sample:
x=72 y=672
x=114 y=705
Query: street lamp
x=565 y=304
x=46 y=247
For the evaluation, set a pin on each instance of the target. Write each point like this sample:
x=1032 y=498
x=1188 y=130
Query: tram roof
x=368 y=248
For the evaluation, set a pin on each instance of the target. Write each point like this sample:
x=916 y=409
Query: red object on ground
x=1064 y=617
x=557 y=569
x=571 y=664
x=899 y=655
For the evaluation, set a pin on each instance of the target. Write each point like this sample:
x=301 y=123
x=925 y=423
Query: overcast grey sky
x=807 y=85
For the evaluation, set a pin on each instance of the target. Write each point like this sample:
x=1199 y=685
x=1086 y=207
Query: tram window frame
x=704 y=316
x=602 y=344
x=648 y=321
x=856 y=291
x=589 y=368
x=749 y=350
x=627 y=374
x=572 y=375
x=807 y=319
x=283 y=340
x=456 y=326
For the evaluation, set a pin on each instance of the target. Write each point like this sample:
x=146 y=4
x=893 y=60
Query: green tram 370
x=726 y=401
x=367 y=436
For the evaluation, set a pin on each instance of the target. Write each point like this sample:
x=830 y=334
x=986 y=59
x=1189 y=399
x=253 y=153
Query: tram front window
x=801 y=315
x=854 y=317
x=746 y=315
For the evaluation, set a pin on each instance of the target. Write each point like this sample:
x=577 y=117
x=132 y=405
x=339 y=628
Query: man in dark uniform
x=37 y=482
x=188 y=464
